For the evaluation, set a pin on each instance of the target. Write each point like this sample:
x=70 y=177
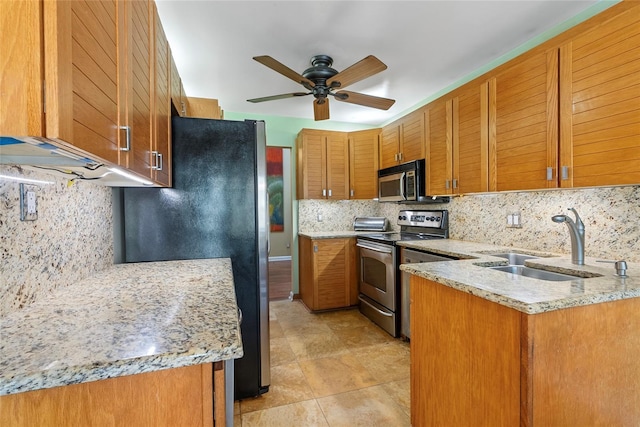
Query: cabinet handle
x=565 y=173
x=127 y=130
x=154 y=160
x=160 y=162
x=351 y=193
x=184 y=108
x=315 y=248
x=549 y=174
x=455 y=183
x=324 y=192
x=446 y=184
x=329 y=193
x=400 y=156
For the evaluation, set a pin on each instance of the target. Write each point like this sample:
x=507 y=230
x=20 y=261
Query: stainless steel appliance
x=217 y=208
x=405 y=183
x=412 y=256
x=379 y=273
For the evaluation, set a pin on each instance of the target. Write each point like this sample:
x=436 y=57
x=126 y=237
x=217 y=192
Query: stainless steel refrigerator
x=217 y=208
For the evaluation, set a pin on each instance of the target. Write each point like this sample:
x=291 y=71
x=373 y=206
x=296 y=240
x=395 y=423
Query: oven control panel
x=429 y=219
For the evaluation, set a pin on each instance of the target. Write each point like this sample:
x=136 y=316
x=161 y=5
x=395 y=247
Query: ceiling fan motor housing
x=318 y=73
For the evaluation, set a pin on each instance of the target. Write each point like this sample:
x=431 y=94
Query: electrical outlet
x=28 y=204
x=319 y=217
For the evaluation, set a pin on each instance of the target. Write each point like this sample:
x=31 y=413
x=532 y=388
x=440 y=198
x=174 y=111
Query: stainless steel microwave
x=405 y=183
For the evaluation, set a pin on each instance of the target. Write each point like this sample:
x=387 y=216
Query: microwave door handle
x=403 y=180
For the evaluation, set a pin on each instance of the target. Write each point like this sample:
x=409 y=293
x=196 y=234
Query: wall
x=71 y=239
x=611 y=217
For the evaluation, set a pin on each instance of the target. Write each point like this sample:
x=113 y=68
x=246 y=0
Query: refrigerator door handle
x=239 y=316
x=268 y=226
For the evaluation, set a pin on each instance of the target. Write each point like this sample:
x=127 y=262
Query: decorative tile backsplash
x=71 y=239
x=611 y=217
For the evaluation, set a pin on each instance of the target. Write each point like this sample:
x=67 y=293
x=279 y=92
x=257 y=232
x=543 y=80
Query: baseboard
x=280 y=258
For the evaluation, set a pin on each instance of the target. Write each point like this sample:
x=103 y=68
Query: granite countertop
x=336 y=234
x=598 y=282
x=127 y=319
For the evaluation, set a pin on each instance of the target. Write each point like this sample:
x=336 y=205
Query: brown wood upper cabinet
x=456 y=130
x=96 y=59
x=178 y=95
x=363 y=164
x=523 y=123
x=327 y=273
x=322 y=165
x=403 y=140
x=204 y=108
x=161 y=141
x=600 y=104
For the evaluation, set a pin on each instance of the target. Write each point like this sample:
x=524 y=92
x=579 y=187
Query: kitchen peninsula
x=143 y=335
x=503 y=349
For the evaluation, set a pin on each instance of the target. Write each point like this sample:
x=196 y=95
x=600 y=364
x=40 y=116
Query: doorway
x=281 y=228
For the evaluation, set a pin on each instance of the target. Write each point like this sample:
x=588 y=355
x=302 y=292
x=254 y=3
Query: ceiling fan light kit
x=321 y=80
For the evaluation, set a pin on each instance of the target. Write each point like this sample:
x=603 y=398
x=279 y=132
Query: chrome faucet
x=576 y=231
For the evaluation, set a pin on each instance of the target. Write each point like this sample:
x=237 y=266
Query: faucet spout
x=576 y=232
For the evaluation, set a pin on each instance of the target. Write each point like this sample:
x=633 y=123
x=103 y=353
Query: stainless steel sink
x=534 y=273
x=515 y=258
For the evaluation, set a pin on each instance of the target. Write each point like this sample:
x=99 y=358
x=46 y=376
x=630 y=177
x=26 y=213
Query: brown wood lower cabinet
x=475 y=362
x=171 y=397
x=327 y=273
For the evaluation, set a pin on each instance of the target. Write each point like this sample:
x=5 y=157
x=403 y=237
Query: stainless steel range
x=379 y=257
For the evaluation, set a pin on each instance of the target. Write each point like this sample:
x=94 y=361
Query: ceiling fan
x=321 y=81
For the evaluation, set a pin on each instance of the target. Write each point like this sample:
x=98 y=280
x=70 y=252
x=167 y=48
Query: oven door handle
x=374 y=248
x=375 y=308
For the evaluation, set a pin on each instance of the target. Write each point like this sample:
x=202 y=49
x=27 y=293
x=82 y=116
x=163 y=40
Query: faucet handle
x=620 y=266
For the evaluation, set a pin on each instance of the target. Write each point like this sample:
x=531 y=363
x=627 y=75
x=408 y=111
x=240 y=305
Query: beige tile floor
x=330 y=369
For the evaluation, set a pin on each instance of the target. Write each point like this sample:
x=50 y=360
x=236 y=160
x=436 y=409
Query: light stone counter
x=127 y=319
x=598 y=282
x=335 y=234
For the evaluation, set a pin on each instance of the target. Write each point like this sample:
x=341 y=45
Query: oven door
x=378 y=272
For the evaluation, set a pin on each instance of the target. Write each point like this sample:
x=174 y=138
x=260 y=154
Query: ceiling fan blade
x=284 y=70
x=358 y=71
x=321 y=111
x=366 y=100
x=274 y=97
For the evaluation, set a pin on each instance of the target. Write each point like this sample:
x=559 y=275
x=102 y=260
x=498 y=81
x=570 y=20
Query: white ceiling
x=427 y=46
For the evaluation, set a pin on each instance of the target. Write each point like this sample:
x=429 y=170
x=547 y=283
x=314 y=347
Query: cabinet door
x=389 y=146
x=363 y=162
x=337 y=166
x=465 y=358
x=439 y=130
x=311 y=165
x=412 y=137
x=523 y=121
x=161 y=165
x=600 y=105
x=81 y=70
x=177 y=91
x=306 y=272
x=471 y=140
x=139 y=92
x=333 y=265
x=21 y=79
